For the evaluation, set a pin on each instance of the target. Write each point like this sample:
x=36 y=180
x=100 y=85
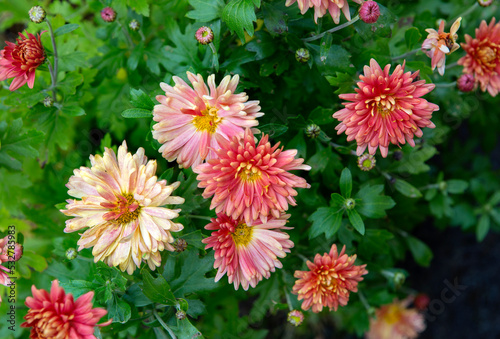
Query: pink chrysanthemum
x=369 y=12
x=189 y=119
x=322 y=6
x=19 y=61
x=247 y=253
x=483 y=56
x=204 y=35
x=12 y=249
x=108 y=14
x=251 y=180
x=56 y=315
x=387 y=108
x=439 y=44
x=120 y=204
x=4 y=257
x=466 y=82
x=329 y=280
x=396 y=321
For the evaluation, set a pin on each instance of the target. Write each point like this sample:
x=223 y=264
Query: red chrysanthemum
x=387 y=108
x=247 y=253
x=19 y=61
x=56 y=315
x=329 y=280
x=483 y=56
x=251 y=180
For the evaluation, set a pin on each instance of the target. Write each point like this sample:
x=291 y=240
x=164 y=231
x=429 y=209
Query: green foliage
x=239 y=16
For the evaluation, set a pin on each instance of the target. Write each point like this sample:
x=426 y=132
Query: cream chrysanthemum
x=120 y=203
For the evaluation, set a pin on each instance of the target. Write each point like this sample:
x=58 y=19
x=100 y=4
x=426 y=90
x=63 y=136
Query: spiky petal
x=334 y=7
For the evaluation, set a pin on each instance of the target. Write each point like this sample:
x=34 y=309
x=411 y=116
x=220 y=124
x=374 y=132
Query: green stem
x=451 y=65
x=443 y=85
x=288 y=301
x=407 y=54
x=467 y=12
x=143 y=38
x=165 y=326
x=198 y=217
x=215 y=57
x=53 y=71
x=338 y=28
x=125 y=33
x=334 y=145
x=364 y=301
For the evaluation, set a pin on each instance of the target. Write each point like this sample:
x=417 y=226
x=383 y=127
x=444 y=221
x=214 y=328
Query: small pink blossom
x=369 y=12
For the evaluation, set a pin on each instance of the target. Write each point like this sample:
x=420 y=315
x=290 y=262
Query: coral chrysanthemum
x=386 y=108
x=190 y=118
x=247 y=253
x=329 y=280
x=396 y=321
x=439 y=44
x=483 y=56
x=19 y=61
x=120 y=204
x=251 y=180
x=322 y=6
x=56 y=315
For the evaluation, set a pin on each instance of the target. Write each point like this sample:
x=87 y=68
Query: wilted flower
x=37 y=14
x=120 y=205
x=369 y=12
x=483 y=56
x=108 y=14
x=56 y=315
x=439 y=44
x=247 y=253
x=396 y=321
x=322 y=6
x=466 y=82
x=329 y=280
x=387 y=108
x=302 y=55
x=190 y=118
x=366 y=162
x=249 y=180
x=19 y=61
x=295 y=317
x=134 y=25
x=204 y=35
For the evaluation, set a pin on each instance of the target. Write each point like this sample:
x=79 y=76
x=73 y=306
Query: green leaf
x=356 y=221
x=483 y=227
x=65 y=29
x=185 y=329
x=205 y=10
x=337 y=59
x=239 y=16
x=15 y=145
x=346 y=183
x=343 y=81
x=337 y=200
x=455 y=186
x=373 y=204
x=118 y=309
x=321 y=116
x=78 y=287
x=412 y=37
x=406 y=189
x=73 y=110
x=70 y=83
x=137 y=113
x=325 y=220
x=420 y=251
x=273 y=130
x=139 y=99
x=157 y=289
x=139 y=6
x=325 y=45
x=375 y=242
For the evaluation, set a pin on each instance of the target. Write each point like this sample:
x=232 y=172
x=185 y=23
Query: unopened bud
x=421 y=301
x=204 y=35
x=180 y=245
x=37 y=14
x=485 y=3
x=313 y=131
x=71 y=253
x=108 y=14
x=12 y=250
x=399 y=279
x=466 y=82
x=302 y=55
x=48 y=102
x=134 y=25
x=349 y=203
x=295 y=317
x=369 y=12
x=366 y=162
x=180 y=314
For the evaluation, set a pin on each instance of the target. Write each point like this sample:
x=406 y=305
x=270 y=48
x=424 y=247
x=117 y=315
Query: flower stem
x=451 y=65
x=467 y=12
x=338 y=28
x=444 y=85
x=407 y=54
x=334 y=145
x=198 y=217
x=364 y=301
x=125 y=33
x=215 y=57
x=53 y=71
x=165 y=326
x=288 y=301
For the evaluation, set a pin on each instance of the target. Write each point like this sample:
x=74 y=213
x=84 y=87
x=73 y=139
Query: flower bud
x=366 y=162
x=134 y=25
x=302 y=55
x=466 y=82
x=485 y=3
x=204 y=35
x=313 y=131
x=421 y=301
x=180 y=314
x=180 y=245
x=48 y=102
x=349 y=203
x=295 y=317
x=369 y=12
x=71 y=254
x=13 y=251
x=37 y=14
x=108 y=14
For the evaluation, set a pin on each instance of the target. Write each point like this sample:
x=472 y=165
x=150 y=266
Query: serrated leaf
x=137 y=113
x=65 y=29
x=139 y=6
x=373 y=204
x=118 y=309
x=205 y=10
x=346 y=183
x=239 y=16
x=420 y=251
x=325 y=220
x=407 y=189
x=356 y=221
x=139 y=99
x=157 y=289
x=412 y=37
x=343 y=81
x=78 y=287
x=70 y=83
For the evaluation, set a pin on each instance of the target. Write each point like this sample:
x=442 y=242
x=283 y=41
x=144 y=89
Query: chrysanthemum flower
x=13 y=250
x=56 y=315
x=120 y=204
x=204 y=35
x=19 y=61
x=4 y=257
x=396 y=321
x=322 y=6
x=386 y=108
x=247 y=253
x=466 y=82
x=366 y=162
x=251 y=180
x=483 y=56
x=190 y=118
x=439 y=44
x=329 y=280
x=295 y=317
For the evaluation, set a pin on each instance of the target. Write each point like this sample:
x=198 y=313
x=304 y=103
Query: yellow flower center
x=367 y=163
x=328 y=280
x=487 y=56
x=248 y=172
x=393 y=314
x=125 y=210
x=208 y=120
x=383 y=104
x=242 y=234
